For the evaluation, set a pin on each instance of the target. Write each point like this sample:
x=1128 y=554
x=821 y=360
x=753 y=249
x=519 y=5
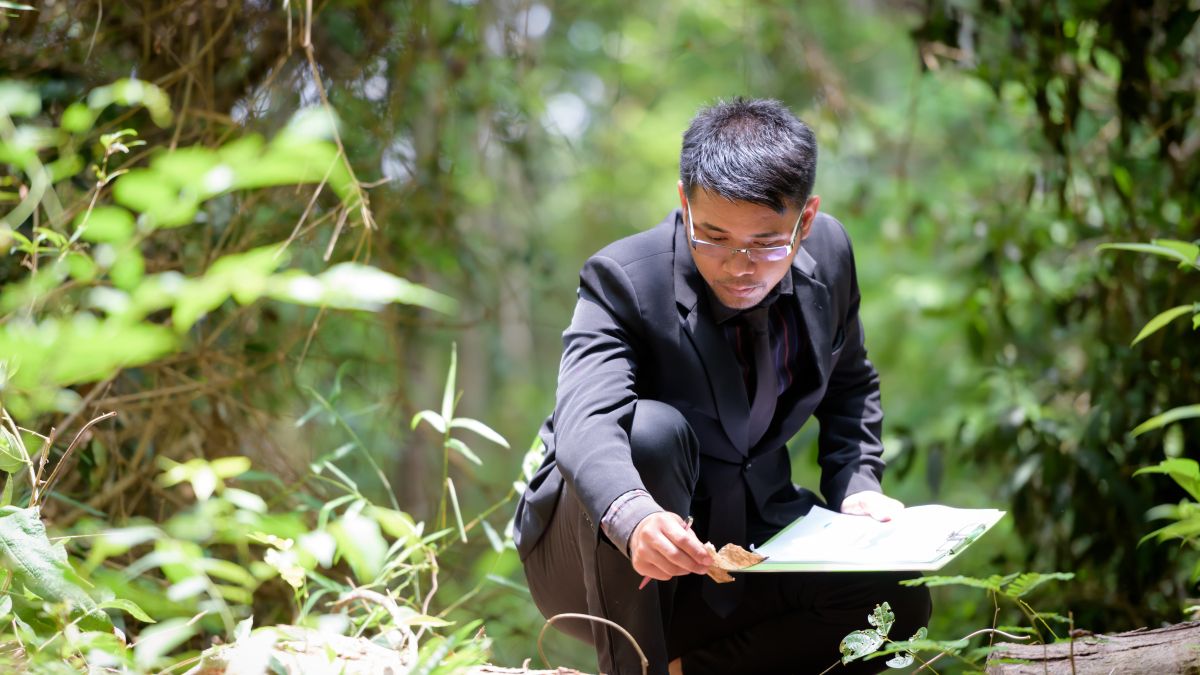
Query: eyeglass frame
x=700 y=244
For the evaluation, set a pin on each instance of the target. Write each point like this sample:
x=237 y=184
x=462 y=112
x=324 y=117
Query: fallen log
x=1174 y=650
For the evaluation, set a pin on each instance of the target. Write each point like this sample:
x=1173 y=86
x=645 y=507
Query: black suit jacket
x=642 y=328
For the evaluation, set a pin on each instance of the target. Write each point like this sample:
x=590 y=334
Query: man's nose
x=739 y=264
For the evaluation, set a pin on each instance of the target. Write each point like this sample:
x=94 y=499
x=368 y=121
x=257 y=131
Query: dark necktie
x=762 y=409
x=728 y=520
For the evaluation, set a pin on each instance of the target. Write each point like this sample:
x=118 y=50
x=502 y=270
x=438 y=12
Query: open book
x=918 y=538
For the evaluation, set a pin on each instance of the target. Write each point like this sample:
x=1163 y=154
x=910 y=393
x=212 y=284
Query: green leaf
x=1156 y=324
x=6 y=496
x=1186 y=249
x=38 y=565
x=5 y=605
x=134 y=92
x=158 y=640
x=1184 y=529
x=77 y=118
x=462 y=449
x=20 y=7
x=129 y=607
x=882 y=618
x=1170 y=416
x=449 y=393
x=901 y=660
x=1185 y=471
x=12 y=456
x=18 y=99
x=361 y=544
x=859 y=644
x=1123 y=180
x=230 y=467
x=1031 y=580
x=493 y=536
x=479 y=428
x=992 y=583
x=435 y=420
x=1153 y=249
x=462 y=531
x=105 y=224
x=164 y=202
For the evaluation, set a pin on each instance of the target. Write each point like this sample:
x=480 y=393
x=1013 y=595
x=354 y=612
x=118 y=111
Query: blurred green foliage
x=977 y=151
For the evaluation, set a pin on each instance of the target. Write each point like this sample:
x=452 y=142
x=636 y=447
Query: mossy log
x=1174 y=650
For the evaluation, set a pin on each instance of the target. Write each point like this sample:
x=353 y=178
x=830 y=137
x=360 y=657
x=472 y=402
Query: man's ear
x=810 y=213
x=682 y=196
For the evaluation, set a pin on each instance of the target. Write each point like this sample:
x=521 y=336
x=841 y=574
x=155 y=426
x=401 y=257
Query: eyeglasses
x=762 y=254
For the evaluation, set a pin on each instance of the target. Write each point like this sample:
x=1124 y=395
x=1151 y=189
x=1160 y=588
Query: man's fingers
x=698 y=559
x=671 y=558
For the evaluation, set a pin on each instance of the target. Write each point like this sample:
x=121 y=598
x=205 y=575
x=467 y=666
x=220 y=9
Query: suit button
x=747 y=466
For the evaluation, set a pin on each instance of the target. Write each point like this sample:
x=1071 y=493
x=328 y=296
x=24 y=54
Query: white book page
x=918 y=534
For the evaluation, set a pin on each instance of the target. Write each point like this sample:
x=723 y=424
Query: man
x=697 y=349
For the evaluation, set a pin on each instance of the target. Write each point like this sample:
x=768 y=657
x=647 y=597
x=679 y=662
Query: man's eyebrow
x=761 y=235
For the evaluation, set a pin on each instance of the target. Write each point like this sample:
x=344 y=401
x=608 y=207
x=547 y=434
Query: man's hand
x=662 y=547
x=870 y=503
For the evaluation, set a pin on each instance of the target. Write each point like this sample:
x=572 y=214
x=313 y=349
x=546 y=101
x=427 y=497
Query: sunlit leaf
x=230 y=467
x=37 y=564
x=12 y=456
x=129 y=607
x=433 y=419
x=1028 y=581
x=479 y=428
x=858 y=644
x=155 y=642
x=448 y=394
x=105 y=224
x=1156 y=324
x=19 y=99
x=1169 y=417
x=462 y=449
x=134 y=92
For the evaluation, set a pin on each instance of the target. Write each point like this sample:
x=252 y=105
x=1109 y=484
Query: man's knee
x=662 y=442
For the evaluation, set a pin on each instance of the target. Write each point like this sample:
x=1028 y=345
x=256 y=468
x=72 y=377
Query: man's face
x=738 y=281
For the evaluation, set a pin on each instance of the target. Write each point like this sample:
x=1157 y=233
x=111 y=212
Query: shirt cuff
x=623 y=516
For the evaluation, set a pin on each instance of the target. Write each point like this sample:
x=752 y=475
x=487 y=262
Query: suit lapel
x=816 y=312
x=724 y=376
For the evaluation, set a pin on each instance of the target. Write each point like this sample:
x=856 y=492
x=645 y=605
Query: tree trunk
x=1174 y=650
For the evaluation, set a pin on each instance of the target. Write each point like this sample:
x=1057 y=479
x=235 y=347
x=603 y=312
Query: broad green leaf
x=1185 y=471
x=479 y=428
x=858 y=644
x=1184 y=529
x=12 y=457
x=77 y=118
x=105 y=224
x=128 y=269
x=1031 y=580
x=188 y=167
x=1156 y=324
x=1170 y=416
x=5 y=605
x=435 y=420
x=882 y=618
x=1186 y=248
x=38 y=565
x=129 y=607
x=462 y=449
x=1123 y=180
x=164 y=202
x=6 y=495
x=397 y=524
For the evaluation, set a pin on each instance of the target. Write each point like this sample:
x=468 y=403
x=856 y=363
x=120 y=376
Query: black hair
x=752 y=150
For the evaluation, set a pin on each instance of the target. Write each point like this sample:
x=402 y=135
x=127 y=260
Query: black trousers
x=785 y=622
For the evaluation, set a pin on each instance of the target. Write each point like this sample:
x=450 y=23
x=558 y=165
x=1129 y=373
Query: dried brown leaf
x=730 y=558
